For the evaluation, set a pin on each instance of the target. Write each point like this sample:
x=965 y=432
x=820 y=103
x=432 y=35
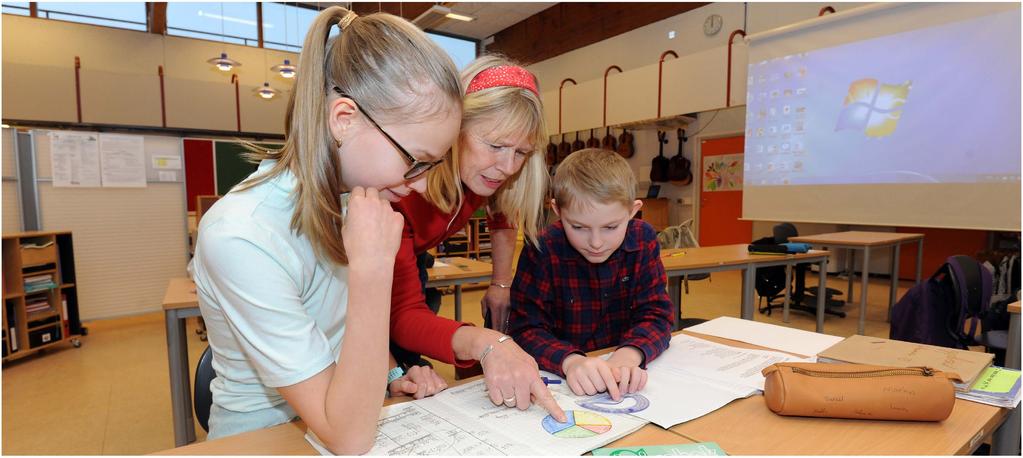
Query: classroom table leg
x=919 y=259
x=458 y=302
x=850 y=271
x=177 y=359
x=675 y=294
x=865 y=276
x=748 y=281
x=1006 y=439
x=822 y=294
x=788 y=283
x=1012 y=351
x=895 y=280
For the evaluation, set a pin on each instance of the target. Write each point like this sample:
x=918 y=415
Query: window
x=461 y=50
x=120 y=15
x=237 y=24
x=19 y=8
x=285 y=26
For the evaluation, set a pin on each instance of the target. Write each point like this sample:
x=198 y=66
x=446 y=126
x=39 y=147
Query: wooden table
x=859 y=240
x=679 y=262
x=748 y=427
x=180 y=302
x=458 y=272
x=743 y=427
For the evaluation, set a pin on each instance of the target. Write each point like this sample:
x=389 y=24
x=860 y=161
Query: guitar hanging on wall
x=679 y=172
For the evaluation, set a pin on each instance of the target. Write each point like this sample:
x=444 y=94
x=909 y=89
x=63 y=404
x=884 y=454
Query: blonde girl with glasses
x=495 y=165
x=293 y=267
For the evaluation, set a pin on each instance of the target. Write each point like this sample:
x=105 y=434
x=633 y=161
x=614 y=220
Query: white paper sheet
x=767 y=335
x=714 y=361
x=74 y=159
x=123 y=160
x=463 y=421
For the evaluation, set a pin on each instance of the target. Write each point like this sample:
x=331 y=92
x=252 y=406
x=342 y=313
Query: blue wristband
x=394 y=374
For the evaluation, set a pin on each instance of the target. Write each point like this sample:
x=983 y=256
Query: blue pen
x=547 y=381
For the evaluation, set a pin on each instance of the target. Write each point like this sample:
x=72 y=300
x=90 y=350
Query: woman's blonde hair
x=381 y=61
x=517 y=110
x=594 y=175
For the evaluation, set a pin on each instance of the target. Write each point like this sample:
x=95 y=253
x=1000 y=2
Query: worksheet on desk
x=714 y=361
x=463 y=421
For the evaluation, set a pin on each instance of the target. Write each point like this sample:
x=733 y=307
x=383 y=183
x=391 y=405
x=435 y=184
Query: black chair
x=770 y=282
x=202 y=397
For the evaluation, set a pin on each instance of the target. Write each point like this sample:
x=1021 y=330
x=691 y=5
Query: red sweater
x=414 y=326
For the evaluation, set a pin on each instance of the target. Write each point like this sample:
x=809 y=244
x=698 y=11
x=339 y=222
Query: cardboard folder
x=886 y=352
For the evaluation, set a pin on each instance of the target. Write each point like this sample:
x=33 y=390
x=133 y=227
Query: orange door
x=721 y=193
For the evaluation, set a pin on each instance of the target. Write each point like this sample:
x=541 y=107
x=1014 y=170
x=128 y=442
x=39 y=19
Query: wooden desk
x=180 y=302
x=742 y=427
x=748 y=427
x=679 y=262
x=859 y=240
x=458 y=272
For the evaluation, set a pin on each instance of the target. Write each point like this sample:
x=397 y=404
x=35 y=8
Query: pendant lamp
x=223 y=63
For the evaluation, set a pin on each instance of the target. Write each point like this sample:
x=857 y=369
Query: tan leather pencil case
x=859 y=391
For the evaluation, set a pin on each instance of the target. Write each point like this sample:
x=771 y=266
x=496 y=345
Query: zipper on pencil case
x=922 y=371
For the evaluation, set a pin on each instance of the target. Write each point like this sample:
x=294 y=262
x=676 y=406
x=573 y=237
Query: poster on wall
x=722 y=173
x=124 y=160
x=74 y=159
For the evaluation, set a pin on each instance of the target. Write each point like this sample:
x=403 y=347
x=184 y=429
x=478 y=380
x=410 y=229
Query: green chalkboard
x=231 y=166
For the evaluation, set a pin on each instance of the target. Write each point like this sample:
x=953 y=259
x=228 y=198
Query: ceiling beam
x=569 y=26
x=407 y=10
x=156 y=13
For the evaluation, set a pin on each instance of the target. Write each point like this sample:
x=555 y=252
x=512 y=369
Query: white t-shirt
x=275 y=314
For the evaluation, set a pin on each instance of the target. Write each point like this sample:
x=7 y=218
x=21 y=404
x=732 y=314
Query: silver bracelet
x=490 y=348
x=500 y=285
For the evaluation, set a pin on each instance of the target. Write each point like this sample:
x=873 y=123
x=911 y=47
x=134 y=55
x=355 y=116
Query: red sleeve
x=498 y=221
x=414 y=326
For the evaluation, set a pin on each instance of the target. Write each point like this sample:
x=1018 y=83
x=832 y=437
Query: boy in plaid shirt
x=595 y=280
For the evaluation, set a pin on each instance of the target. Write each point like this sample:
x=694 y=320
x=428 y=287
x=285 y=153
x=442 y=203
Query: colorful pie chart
x=580 y=424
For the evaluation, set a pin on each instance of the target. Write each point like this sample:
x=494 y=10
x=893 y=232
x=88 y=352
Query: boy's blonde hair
x=380 y=60
x=518 y=110
x=594 y=175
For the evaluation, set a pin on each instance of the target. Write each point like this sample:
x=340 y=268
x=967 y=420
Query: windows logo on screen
x=873 y=108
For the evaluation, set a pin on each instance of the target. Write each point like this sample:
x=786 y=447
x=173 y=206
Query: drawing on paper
x=630 y=403
x=580 y=424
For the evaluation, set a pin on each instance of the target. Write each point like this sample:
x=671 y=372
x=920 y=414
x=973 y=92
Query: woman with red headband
x=496 y=165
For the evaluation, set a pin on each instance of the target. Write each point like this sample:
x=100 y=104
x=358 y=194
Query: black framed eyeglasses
x=416 y=167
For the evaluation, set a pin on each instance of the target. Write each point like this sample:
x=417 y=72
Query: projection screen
x=901 y=114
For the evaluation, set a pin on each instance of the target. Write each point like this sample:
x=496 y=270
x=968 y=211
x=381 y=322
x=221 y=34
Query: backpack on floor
x=938 y=311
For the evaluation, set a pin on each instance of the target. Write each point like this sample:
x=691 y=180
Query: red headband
x=505 y=75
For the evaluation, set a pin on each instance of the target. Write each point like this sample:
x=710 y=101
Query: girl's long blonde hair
x=518 y=110
x=378 y=59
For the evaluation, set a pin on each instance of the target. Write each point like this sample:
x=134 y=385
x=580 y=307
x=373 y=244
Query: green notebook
x=700 y=449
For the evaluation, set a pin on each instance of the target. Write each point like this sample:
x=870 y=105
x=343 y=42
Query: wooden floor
x=111 y=396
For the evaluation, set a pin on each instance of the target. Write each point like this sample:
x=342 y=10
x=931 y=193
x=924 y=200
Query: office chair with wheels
x=202 y=397
x=803 y=297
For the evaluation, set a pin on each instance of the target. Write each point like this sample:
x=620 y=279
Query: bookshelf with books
x=40 y=293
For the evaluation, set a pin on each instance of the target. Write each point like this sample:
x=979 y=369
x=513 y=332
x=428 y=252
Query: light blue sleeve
x=254 y=277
